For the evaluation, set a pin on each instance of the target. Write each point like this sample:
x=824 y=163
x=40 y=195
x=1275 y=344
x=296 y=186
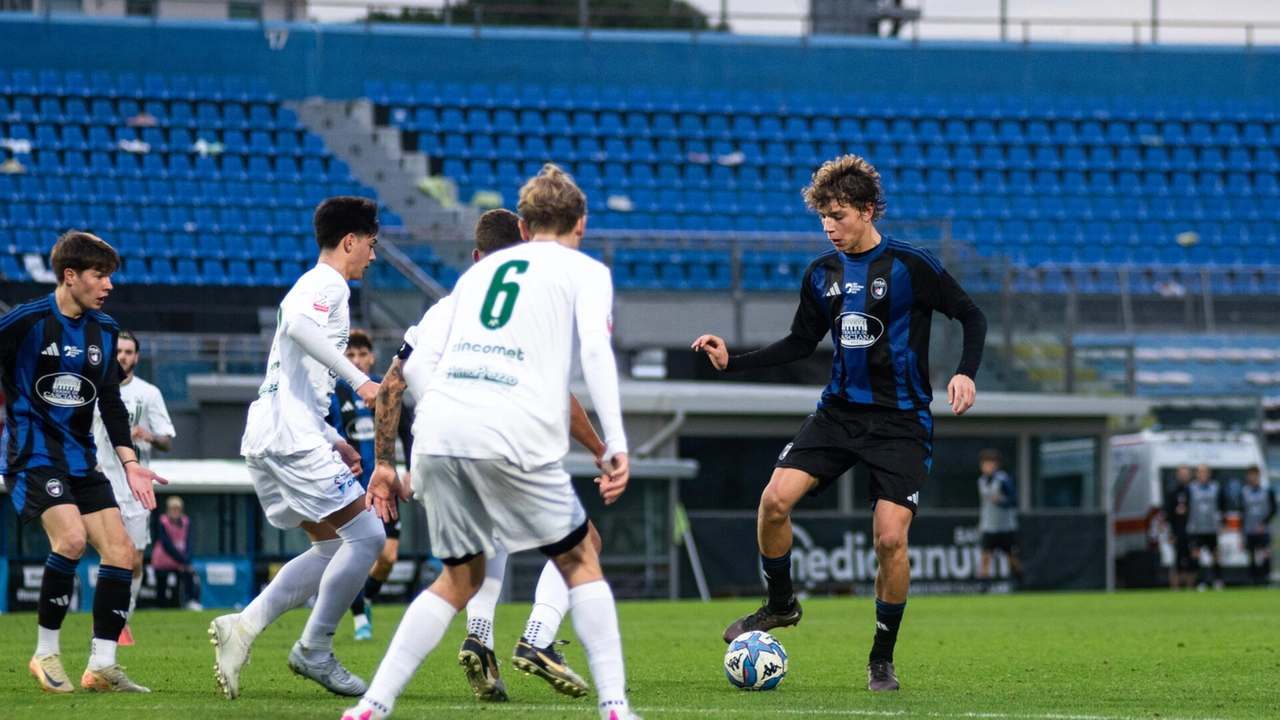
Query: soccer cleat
x=230 y=653
x=548 y=664
x=126 y=636
x=48 y=670
x=364 y=623
x=880 y=675
x=481 y=666
x=328 y=673
x=764 y=620
x=109 y=679
x=356 y=713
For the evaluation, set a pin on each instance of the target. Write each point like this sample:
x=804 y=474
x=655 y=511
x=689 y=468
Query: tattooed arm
x=387 y=414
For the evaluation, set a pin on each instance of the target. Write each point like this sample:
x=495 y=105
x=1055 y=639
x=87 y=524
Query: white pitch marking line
x=829 y=713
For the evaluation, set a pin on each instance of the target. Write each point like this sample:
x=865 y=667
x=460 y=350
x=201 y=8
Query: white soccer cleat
x=329 y=673
x=48 y=670
x=356 y=713
x=231 y=653
x=110 y=679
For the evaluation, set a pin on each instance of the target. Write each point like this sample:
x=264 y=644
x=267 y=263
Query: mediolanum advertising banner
x=1060 y=551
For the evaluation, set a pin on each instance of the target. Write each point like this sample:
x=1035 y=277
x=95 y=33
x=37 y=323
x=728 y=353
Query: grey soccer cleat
x=108 y=680
x=880 y=675
x=548 y=663
x=481 y=666
x=328 y=673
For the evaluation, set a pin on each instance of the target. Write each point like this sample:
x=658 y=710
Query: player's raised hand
x=614 y=480
x=368 y=392
x=140 y=480
x=961 y=393
x=715 y=349
x=349 y=456
x=384 y=488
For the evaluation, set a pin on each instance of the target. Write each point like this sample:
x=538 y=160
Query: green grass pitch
x=1048 y=656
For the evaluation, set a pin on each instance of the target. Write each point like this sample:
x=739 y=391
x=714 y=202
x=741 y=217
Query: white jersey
x=288 y=416
x=491 y=367
x=146 y=408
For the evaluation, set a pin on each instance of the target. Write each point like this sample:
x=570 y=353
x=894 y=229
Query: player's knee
x=365 y=533
x=775 y=507
x=891 y=542
x=70 y=544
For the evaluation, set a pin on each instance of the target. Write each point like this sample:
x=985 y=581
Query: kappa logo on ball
x=878 y=288
x=53 y=488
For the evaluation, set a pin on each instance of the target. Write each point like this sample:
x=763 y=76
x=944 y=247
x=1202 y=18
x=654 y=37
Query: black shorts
x=1006 y=542
x=1207 y=540
x=1254 y=543
x=37 y=489
x=392 y=528
x=895 y=445
x=1183 y=558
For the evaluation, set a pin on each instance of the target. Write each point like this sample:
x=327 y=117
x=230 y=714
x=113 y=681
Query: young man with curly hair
x=876 y=296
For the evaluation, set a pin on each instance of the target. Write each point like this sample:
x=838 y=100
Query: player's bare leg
x=105 y=531
x=889 y=528
x=773 y=531
x=421 y=629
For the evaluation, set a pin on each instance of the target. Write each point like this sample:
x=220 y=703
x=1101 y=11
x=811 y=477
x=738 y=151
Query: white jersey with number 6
x=499 y=388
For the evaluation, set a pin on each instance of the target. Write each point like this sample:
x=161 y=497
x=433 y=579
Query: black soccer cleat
x=548 y=663
x=481 y=666
x=880 y=675
x=764 y=620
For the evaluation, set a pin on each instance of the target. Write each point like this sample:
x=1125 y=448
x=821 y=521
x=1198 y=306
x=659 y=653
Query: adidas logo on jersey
x=348 y=406
x=833 y=291
x=51 y=351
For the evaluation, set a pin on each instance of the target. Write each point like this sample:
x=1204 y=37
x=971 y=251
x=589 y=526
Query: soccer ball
x=755 y=661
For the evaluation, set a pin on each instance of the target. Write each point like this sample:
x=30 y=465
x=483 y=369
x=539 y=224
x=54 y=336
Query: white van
x=1143 y=468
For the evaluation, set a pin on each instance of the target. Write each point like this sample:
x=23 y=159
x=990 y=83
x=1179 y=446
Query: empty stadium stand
x=1065 y=190
x=208 y=181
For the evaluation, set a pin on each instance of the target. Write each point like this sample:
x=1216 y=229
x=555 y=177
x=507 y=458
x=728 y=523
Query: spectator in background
x=1257 y=510
x=1204 y=521
x=998 y=518
x=172 y=556
x=1177 y=506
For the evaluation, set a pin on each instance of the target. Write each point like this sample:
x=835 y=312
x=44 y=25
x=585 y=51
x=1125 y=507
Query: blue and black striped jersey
x=54 y=370
x=878 y=307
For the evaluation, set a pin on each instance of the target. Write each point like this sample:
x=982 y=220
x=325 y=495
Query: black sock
x=777 y=572
x=55 y=590
x=111 y=602
x=888 y=619
x=372 y=586
x=357 y=605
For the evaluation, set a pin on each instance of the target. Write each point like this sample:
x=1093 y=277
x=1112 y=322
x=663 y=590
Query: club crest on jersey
x=65 y=390
x=858 y=330
x=53 y=488
x=95 y=355
x=878 y=288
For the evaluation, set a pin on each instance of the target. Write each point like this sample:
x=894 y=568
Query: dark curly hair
x=848 y=180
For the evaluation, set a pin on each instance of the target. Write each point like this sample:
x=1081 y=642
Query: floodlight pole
x=1155 y=20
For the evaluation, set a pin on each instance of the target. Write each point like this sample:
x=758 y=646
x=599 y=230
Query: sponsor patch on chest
x=859 y=330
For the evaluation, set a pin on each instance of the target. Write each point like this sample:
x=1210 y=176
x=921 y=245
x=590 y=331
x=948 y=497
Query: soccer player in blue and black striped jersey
x=876 y=296
x=57 y=359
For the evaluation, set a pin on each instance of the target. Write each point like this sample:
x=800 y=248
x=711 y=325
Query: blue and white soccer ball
x=755 y=661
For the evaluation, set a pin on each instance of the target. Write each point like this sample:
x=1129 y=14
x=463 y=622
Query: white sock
x=550 y=603
x=134 y=588
x=293 y=584
x=481 y=608
x=362 y=541
x=103 y=654
x=47 y=641
x=595 y=620
x=421 y=629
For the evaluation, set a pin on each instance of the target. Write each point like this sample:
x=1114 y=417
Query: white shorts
x=302 y=487
x=473 y=503
x=137 y=522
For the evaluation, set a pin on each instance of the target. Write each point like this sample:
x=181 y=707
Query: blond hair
x=550 y=202
x=849 y=180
